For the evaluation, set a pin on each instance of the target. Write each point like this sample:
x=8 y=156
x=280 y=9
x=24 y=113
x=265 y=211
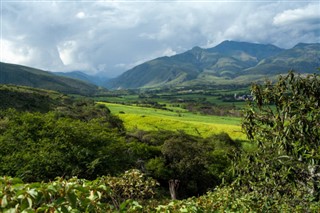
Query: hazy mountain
x=27 y=76
x=98 y=80
x=230 y=62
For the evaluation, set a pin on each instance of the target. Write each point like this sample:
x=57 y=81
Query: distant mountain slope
x=302 y=57
x=242 y=50
x=93 y=79
x=27 y=76
x=160 y=71
x=230 y=62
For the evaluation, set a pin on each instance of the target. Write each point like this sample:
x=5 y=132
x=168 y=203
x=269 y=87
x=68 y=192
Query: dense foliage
x=38 y=147
x=104 y=194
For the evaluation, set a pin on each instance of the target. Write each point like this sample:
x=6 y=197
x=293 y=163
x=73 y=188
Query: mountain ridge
x=222 y=64
x=27 y=76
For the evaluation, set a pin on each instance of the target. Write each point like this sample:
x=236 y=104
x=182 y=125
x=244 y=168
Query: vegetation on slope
x=27 y=76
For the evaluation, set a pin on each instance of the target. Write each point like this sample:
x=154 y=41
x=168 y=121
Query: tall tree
x=283 y=121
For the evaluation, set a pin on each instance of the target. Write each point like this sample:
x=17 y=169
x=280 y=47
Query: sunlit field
x=156 y=119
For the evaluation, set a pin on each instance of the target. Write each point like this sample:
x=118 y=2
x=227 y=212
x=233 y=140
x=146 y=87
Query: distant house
x=243 y=97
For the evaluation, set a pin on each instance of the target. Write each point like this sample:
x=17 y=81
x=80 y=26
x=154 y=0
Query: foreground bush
x=132 y=192
x=104 y=194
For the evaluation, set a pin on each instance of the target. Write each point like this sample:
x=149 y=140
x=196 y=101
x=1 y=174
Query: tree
x=191 y=165
x=283 y=122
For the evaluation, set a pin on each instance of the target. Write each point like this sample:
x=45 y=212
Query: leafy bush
x=36 y=147
x=104 y=194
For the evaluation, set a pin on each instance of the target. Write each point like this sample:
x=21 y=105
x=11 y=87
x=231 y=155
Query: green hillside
x=228 y=63
x=23 y=98
x=27 y=76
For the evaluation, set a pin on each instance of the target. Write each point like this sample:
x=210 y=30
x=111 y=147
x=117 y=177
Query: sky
x=110 y=37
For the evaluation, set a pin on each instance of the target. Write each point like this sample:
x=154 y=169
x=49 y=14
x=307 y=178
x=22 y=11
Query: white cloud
x=80 y=15
x=309 y=13
x=169 y=52
x=66 y=51
x=13 y=53
x=115 y=36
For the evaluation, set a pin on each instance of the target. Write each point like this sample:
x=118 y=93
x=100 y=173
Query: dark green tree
x=191 y=165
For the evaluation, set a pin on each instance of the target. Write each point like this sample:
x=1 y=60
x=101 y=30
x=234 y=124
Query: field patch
x=155 y=119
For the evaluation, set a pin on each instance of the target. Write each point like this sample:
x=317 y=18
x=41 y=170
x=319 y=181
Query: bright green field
x=195 y=124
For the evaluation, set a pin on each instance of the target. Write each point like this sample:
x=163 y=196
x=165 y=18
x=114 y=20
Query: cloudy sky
x=111 y=37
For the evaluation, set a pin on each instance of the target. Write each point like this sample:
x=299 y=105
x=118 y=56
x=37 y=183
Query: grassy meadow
x=154 y=119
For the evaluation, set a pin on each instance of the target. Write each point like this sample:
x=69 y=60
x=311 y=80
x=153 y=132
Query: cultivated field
x=154 y=119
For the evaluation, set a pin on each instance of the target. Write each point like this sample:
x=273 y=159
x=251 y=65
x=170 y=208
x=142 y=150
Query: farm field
x=154 y=119
x=214 y=97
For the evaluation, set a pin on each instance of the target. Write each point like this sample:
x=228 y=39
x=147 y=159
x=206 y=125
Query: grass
x=195 y=124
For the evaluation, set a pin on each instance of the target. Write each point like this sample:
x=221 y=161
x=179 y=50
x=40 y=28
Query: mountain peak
x=260 y=51
x=196 y=48
x=227 y=44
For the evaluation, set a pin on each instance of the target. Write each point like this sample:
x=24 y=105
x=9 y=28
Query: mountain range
x=27 y=76
x=230 y=62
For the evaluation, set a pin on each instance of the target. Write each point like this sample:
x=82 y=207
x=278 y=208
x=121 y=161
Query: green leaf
x=29 y=202
x=64 y=209
x=12 y=210
x=4 y=201
x=123 y=205
x=72 y=198
x=59 y=201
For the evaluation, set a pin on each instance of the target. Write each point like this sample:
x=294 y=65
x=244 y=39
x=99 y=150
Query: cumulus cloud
x=307 y=15
x=111 y=37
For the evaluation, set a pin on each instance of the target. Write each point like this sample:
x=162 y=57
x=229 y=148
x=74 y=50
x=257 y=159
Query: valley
x=159 y=106
x=190 y=141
